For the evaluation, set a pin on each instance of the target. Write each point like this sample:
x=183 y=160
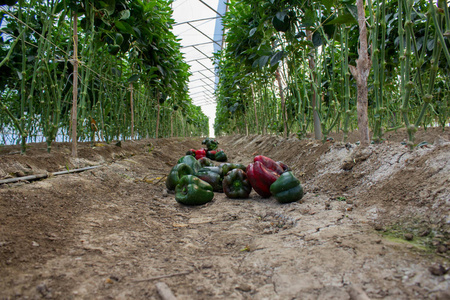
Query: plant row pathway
x=373 y=223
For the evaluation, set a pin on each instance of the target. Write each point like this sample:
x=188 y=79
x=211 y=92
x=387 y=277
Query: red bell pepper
x=200 y=153
x=284 y=166
x=261 y=178
x=269 y=163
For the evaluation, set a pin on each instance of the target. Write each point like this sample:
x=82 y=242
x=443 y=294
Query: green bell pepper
x=211 y=177
x=191 y=162
x=287 y=188
x=236 y=184
x=206 y=162
x=191 y=190
x=227 y=167
x=176 y=173
x=221 y=156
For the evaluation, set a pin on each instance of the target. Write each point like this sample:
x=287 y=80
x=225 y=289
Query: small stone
x=348 y=165
x=378 y=227
x=349 y=201
x=437 y=270
x=43 y=289
x=164 y=193
x=34 y=244
x=244 y=287
x=441 y=249
x=409 y=236
x=425 y=232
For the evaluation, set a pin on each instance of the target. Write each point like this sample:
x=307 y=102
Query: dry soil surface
x=374 y=222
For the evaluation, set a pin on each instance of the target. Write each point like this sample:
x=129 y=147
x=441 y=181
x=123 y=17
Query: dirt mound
x=374 y=219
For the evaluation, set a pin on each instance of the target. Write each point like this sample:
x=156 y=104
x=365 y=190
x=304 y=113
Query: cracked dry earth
x=114 y=232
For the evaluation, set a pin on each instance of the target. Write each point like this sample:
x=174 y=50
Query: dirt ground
x=374 y=222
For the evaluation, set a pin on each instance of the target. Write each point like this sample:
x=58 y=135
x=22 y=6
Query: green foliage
x=122 y=45
x=313 y=45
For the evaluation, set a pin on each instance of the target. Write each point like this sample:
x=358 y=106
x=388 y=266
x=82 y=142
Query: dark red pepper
x=269 y=163
x=261 y=178
x=200 y=153
x=191 y=152
x=284 y=166
x=211 y=154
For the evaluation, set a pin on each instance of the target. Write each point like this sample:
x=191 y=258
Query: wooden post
x=254 y=107
x=312 y=66
x=158 y=96
x=283 y=103
x=75 y=86
x=132 y=111
x=361 y=73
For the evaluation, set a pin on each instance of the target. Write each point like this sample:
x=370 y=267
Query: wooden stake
x=283 y=103
x=163 y=276
x=361 y=73
x=164 y=291
x=40 y=176
x=132 y=111
x=75 y=85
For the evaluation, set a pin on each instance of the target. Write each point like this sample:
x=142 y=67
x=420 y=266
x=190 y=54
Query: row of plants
x=301 y=66
x=115 y=61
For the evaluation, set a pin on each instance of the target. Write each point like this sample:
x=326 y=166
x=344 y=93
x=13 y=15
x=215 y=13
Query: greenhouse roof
x=199 y=28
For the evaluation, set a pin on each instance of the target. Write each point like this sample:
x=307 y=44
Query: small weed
x=341 y=198
x=415 y=234
x=245 y=249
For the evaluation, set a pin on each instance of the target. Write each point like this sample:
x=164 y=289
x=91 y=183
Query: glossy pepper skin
x=236 y=184
x=176 y=173
x=191 y=162
x=211 y=144
x=206 y=162
x=269 y=163
x=191 y=152
x=287 y=188
x=211 y=154
x=221 y=156
x=191 y=190
x=284 y=166
x=261 y=178
x=200 y=153
x=227 y=167
x=211 y=177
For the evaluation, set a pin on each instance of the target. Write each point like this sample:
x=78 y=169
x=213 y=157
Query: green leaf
x=119 y=38
x=276 y=58
x=353 y=10
x=343 y=19
x=124 y=27
x=281 y=21
x=124 y=14
x=108 y=5
x=133 y=78
x=113 y=49
x=317 y=39
x=327 y=3
x=263 y=61
x=309 y=18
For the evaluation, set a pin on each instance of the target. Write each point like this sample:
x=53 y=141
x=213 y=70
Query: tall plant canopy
x=131 y=77
x=284 y=67
x=290 y=66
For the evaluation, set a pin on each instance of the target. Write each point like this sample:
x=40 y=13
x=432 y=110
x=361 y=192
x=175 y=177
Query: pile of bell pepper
x=271 y=178
x=196 y=177
x=211 y=151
